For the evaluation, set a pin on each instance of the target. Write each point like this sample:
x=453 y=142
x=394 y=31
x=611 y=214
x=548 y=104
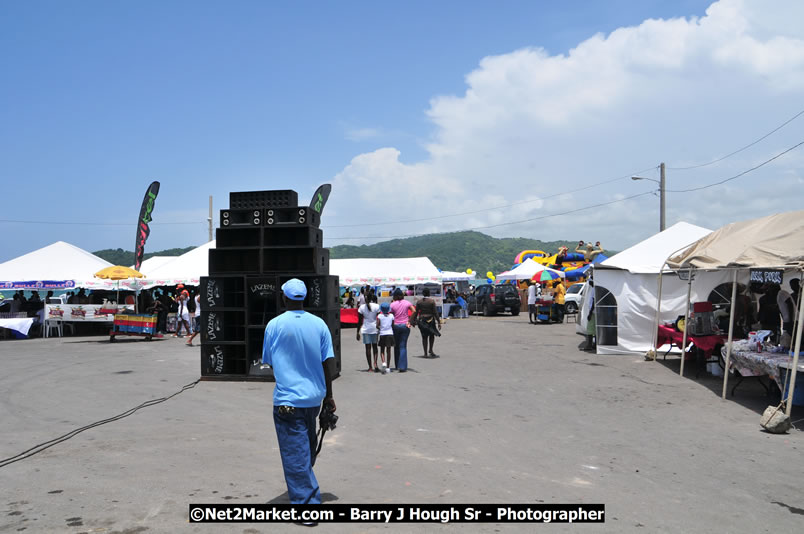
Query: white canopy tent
x=63 y=264
x=773 y=242
x=453 y=276
x=385 y=271
x=627 y=287
x=185 y=269
x=527 y=270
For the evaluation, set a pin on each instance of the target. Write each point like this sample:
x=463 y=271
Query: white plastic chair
x=51 y=324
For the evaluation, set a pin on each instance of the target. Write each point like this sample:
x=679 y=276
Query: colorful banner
x=80 y=312
x=39 y=284
x=143 y=228
x=389 y=280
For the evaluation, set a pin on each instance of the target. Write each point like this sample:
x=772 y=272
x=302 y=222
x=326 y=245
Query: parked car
x=492 y=299
x=572 y=300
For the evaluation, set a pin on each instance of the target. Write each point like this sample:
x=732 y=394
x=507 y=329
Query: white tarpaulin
x=185 y=269
x=773 y=241
x=454 y=276
x=629 y=284
x=527 y=270
x=59 y=262
x=385 y=271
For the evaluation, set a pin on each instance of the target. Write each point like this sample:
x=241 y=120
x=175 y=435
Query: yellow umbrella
x=118 y=272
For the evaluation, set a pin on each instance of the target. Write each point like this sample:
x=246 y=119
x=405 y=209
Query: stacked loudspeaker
x=265 y=239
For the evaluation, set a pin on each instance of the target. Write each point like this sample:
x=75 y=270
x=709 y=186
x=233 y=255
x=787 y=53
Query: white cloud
x=531 y=125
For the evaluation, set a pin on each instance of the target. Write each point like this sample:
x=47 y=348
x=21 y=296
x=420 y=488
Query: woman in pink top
x=401 y=309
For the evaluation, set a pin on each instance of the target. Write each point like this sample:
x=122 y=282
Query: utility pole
x=661 y=198
x=209 y=219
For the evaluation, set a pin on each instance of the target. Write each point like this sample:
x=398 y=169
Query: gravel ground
x=510 y=413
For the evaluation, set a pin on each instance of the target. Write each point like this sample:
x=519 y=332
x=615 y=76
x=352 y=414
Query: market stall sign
x=767 y=276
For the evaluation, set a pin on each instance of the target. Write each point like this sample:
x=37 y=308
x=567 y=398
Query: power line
x=95 y=223
x=780 y=154
x=797 y=115
x=496 y=207
x=541 y=217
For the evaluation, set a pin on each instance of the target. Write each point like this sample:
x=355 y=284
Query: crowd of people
x=388 y=325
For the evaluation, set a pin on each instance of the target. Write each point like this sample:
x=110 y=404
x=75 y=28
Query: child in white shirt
x=385 y=321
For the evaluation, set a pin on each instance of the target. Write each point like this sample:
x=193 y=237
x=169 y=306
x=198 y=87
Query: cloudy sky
x=513 y=118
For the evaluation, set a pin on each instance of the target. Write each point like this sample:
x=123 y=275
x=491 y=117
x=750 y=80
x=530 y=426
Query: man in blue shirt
x=297 y=346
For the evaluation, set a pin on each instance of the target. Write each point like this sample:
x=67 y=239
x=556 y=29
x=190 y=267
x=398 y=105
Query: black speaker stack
x=265 y=239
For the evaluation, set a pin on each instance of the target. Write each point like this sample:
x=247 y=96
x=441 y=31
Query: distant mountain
x=126 y=257
x=456 y=251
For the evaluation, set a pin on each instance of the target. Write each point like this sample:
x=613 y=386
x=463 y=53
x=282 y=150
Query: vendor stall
x=768 y=250
x=774 y=365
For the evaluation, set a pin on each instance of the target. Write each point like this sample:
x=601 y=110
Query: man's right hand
x=331 y=403
x=357 y=336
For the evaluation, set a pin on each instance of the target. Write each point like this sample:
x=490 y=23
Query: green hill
x=454 y=251
x=126 y=257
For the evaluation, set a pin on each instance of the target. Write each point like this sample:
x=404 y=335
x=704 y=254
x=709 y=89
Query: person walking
x=428 y=322
x=402 y=310
x=367 y=327
x=297 y=346
x=183 y=314
x=532 y=312
x=385 y=324
x=196 y=319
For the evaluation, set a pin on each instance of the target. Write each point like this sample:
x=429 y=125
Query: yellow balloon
x=468 y=271
x=489 y=274
x=493 y=277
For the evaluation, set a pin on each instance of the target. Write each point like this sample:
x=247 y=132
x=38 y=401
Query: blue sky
x=97 y=99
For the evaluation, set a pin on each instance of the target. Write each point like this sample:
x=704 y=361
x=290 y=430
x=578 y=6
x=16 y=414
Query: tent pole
x=656 y=321
x=792 y=388
x=686 y=320
x=731 y=333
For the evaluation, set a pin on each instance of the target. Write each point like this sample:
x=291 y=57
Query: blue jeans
x=297 y=441
x=401 y=333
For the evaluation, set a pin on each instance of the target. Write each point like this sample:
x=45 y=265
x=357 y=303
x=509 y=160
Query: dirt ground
x=510 y=413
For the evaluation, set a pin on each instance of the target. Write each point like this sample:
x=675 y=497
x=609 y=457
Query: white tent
x=61 y=263
x=186 y=269
x=772 y=242
x=454 y=276
x=627 y=288
x=385 y=271
x=527 y=270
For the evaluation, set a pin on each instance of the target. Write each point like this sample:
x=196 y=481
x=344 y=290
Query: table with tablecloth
x=705 y=344
x=21 y=325
x=772 y=364
x=349 y=315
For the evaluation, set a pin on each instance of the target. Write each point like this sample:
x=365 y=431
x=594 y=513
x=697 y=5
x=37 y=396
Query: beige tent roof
x=773 y=241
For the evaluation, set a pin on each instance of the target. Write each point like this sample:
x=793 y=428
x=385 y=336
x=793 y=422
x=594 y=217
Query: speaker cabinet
x=238 y=237
x=222 y=292
x=226 y=325
x=223 y=359
x=231 y=218
x=292 y=236
x=307 y=260
x=299 y=216
x=280 y=198
x=234 y=260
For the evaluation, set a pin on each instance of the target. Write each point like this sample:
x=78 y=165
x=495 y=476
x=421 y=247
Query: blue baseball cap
x=294 y=289
x=385 y=307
